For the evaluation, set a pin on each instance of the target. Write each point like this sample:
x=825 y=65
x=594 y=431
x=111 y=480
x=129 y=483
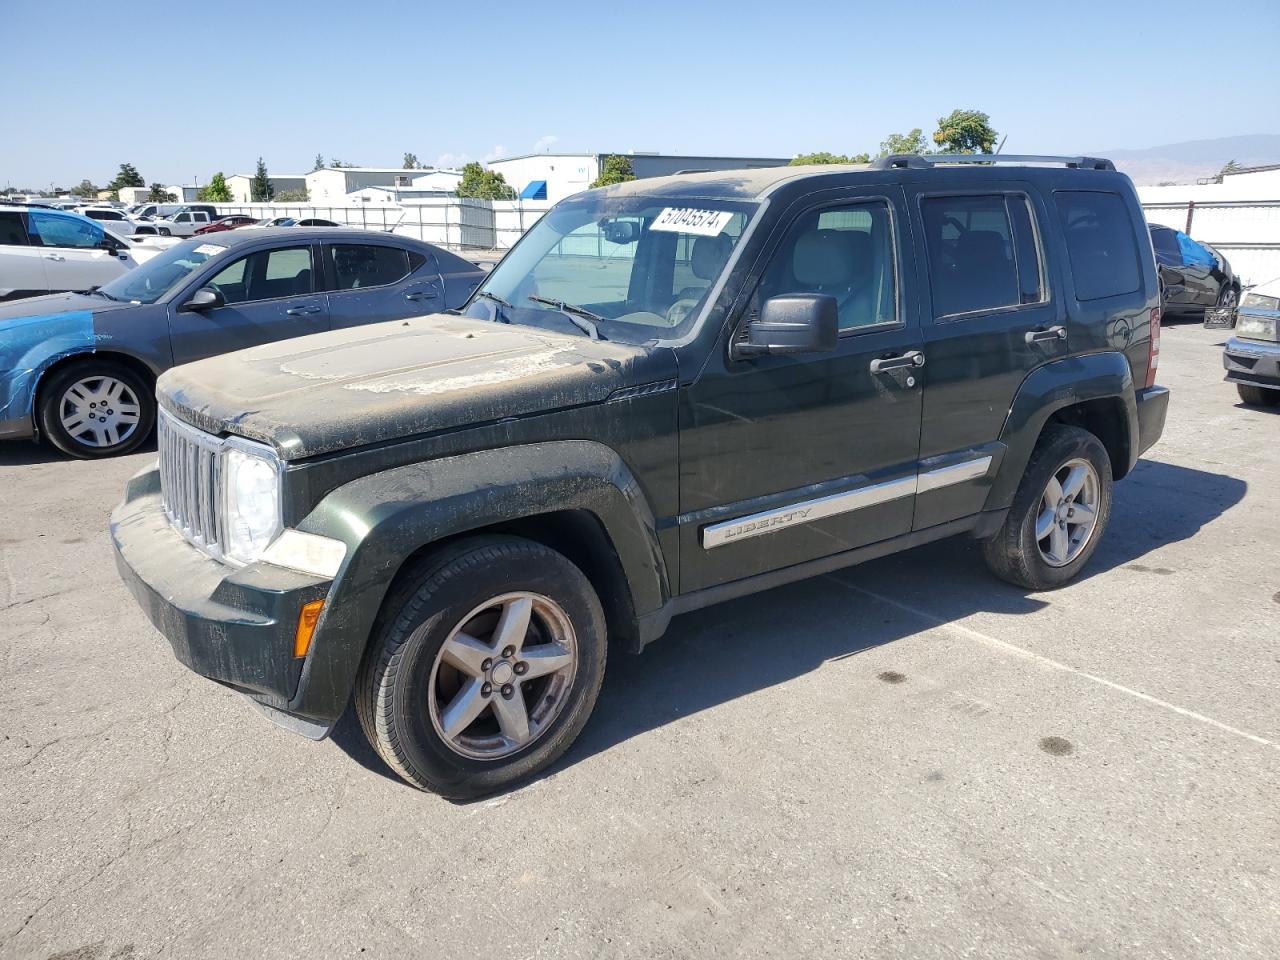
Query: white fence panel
x=1247 y=232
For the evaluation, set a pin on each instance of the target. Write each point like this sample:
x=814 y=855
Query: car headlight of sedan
x=1253 y=327
x=1260 y=300
x=251 y=500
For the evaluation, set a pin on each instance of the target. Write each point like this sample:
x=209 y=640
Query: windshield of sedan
x=148 y=282
x=626 y=268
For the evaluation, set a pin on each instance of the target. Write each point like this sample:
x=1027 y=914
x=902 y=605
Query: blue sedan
x=79 y=369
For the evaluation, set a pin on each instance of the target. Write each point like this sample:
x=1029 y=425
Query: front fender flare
x=1053 y=387
x=386 y=517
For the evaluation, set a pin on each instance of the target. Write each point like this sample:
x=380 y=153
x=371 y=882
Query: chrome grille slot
x=189 y=481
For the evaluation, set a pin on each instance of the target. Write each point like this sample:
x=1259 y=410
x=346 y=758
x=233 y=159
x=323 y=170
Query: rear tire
x=1258 y=396
x=452 y=696
x=1051 y=532
x=96 y=408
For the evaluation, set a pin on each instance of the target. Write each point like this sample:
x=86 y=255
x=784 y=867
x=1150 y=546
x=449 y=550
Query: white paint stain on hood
x=498 y=371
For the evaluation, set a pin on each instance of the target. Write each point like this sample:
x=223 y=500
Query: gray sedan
x=80 y=369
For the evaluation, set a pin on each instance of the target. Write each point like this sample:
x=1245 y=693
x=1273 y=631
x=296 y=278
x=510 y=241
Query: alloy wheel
x=1068 y=512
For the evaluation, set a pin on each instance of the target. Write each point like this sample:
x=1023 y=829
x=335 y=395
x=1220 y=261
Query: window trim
x=1137 y=245
x=1037 y=236
x=331 y=270
x=900 y=319
x=203 y=281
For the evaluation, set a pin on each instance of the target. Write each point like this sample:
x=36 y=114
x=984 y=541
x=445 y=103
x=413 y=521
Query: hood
x=54 y=304
x=362 y=385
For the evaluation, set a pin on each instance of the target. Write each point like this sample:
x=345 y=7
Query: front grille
x=189 y=481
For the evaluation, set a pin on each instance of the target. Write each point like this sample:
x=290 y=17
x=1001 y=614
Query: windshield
x=639 y=268
x=148 y=282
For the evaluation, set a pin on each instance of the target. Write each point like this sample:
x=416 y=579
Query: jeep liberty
x=672 y=392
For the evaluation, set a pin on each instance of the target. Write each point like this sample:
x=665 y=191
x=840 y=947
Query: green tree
x=1229 y=167
x=616 y=169
x=341 y=164
x=913 y=142
x=260 y=188
x=127 y=177
x=823 y=157
x=293 y=196
x=319 y=163
x=965 y=131
x=159 y=194
x=410 y=162
x=85 y=189
x=217 y=190
x=484 y=184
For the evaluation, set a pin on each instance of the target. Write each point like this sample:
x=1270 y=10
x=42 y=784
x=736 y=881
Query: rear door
x=76 y=251
x=990 y=318
x=377 y=281
x=22 y=272
x=270 y=295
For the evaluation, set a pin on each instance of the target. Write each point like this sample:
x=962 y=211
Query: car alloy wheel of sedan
x=99 y=412
x=502 y=676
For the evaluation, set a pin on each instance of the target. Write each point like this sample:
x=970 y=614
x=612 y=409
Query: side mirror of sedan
x=206 y=298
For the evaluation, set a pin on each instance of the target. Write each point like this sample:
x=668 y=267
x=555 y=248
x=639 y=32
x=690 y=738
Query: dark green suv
x=671 y=393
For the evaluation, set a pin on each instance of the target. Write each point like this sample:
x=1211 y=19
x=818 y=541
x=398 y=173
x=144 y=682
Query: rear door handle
x=54 y=256
x=1045 y=336
x=912 y=358
x=421 y=295
x=302 y=311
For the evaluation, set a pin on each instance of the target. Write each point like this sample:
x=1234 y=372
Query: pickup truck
x=671 y=393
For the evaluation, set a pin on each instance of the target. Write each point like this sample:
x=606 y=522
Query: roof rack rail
x=915 y=161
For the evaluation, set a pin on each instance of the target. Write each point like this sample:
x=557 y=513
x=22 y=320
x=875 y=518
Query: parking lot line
x=1049 y=662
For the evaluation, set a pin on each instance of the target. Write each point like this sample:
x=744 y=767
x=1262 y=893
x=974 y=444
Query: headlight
x=1259 y=300
x=1255 y=328
x=251 y=500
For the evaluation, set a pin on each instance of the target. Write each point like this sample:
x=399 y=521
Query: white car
x=117 y=221
x=50 y=251
x=184 y=223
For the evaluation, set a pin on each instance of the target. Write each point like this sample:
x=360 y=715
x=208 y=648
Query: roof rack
x=915 y=161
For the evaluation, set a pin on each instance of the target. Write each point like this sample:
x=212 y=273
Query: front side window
x=360 y=265
x=51 y=230
x=12 y=232
x=845 y=252
x=1101 y=244
x=983 y=253
x=643 y=267
x=265 y=275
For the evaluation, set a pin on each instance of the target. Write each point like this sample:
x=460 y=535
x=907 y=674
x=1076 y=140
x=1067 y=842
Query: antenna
x=1001 y=147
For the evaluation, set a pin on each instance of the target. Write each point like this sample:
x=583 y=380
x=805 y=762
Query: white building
x=1248 y=183
x=241 y=185
x=439 y=183
x=554 y=176
x=131 y=195
x=184 y=193
x=332 y=184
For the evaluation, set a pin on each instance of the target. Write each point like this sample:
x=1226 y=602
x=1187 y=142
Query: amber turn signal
x=307 y=621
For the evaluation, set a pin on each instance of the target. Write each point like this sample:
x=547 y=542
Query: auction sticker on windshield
x=209 y=249
x=706 y=223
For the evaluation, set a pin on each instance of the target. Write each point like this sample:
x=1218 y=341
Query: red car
x=228 y=223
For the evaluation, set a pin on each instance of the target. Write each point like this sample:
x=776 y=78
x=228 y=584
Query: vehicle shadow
x=728 y=651
x=24 y=453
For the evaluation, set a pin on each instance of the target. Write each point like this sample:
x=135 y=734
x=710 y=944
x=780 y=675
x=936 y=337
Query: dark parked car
x=673 y=392
x=317 y=222
x=79 y=369
x=230 y=222
x=1194 y=276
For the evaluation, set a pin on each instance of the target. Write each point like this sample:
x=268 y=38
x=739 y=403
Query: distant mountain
x=1191 y=160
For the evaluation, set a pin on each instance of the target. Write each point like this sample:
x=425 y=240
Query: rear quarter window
x=1101 y=243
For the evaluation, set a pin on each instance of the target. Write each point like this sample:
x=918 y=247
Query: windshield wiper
x=580 y=317
x=500 y=302
x=99 y=292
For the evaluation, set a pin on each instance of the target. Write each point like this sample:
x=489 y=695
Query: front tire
x=485 y=667
x=1059 y=512
x=1258 y=396
x=96 y=408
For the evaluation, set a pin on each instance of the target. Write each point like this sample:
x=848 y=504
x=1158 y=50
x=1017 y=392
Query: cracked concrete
x=904 y=759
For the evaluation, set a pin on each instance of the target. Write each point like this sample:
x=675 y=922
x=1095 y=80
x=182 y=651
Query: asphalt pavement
x=904 y=759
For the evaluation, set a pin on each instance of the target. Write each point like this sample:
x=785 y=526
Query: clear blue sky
x=188 y=89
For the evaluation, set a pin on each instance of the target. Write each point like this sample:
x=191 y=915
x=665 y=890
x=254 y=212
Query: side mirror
x=206 y=298
x=792 y=323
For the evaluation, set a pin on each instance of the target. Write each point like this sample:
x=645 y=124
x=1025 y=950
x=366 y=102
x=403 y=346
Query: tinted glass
x=845 y=252
x=12 y=232
x=972 y=265
x=1166 y=244
x=1026 y=250
x=266 y=275
x=1100 y=243
x=51 y=230
x=359 y=265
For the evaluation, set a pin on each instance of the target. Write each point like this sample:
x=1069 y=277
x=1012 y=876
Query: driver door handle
x=912 y=358
x=1058 y=332
x=302 y=311
x=421 y=295
x=54 y=256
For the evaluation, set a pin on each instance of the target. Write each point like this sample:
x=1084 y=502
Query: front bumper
x=1255 y=362
x=234 y=625
x=1153 y=407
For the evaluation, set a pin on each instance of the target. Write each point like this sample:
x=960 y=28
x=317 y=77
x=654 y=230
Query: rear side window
x=1100 y=243
x=984 y=253
x=360 y=265
x=12 y=232
x=1166 y=244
